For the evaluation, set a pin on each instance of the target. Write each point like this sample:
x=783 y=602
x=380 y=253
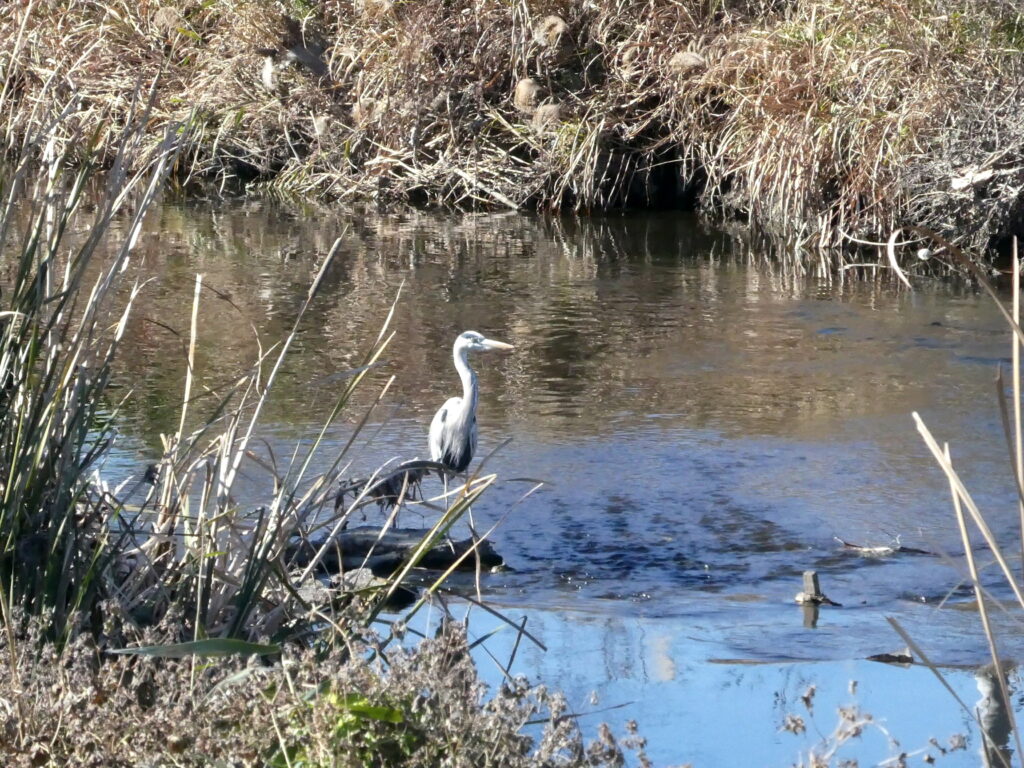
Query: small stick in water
x=812 y=594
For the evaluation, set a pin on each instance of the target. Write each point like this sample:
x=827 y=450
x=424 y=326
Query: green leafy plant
x=381 y=734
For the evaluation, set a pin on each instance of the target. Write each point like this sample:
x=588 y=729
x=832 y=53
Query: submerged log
x=366 y=547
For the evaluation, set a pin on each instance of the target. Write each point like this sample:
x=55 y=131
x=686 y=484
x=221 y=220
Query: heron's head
x=471 y=341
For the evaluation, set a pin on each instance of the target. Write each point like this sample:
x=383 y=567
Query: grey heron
x=453 y=431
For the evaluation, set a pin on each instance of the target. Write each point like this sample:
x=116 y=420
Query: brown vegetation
x=339 y=707
x=819 y=118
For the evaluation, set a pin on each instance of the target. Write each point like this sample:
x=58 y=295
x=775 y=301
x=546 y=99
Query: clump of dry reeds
x=71 y=540
x=825 y=119
x=108 y=601
x=826 y=122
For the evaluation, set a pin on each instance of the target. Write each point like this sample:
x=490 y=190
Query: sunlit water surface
x=707 y=420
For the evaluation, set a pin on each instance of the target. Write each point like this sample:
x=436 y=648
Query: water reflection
x=622 y=317
x=993 y=715
x=700 y=713
x=709 y=417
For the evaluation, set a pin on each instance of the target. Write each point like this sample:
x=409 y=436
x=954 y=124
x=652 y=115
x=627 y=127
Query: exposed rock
x=360 y=578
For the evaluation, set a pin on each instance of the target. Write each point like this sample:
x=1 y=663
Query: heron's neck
x=468 y=376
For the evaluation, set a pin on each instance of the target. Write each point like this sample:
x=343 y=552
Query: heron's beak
x=492 y=344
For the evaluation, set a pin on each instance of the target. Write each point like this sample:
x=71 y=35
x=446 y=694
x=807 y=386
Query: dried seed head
x=547 y=116
x=629 y=61
x=686 y=63
x=167 y=20
x=526 y=95
x=373 y=9
x=794 y=724
x=321 y=124
x=551 y=31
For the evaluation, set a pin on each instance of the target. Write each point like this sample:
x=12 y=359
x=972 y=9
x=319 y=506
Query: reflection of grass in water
x=856 y=728
x=611 y=317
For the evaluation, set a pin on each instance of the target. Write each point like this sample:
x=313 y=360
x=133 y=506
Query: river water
x=708 y=418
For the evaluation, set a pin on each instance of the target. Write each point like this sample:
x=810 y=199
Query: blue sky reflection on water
x=706 y=710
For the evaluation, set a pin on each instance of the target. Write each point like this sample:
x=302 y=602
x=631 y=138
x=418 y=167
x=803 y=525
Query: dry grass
x=75 y=542
x=833 y=111
x=821 y=119
x=338 y=707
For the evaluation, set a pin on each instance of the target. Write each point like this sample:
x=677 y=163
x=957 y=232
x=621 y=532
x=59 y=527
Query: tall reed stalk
x=971 y=521
x=60 y=327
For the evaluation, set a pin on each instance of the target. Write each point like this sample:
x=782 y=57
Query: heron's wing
x=439 y=427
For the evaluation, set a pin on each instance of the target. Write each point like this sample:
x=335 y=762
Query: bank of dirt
x=827 y=120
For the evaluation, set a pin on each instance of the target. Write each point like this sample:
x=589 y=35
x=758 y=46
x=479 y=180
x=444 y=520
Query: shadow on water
x=709 y=419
